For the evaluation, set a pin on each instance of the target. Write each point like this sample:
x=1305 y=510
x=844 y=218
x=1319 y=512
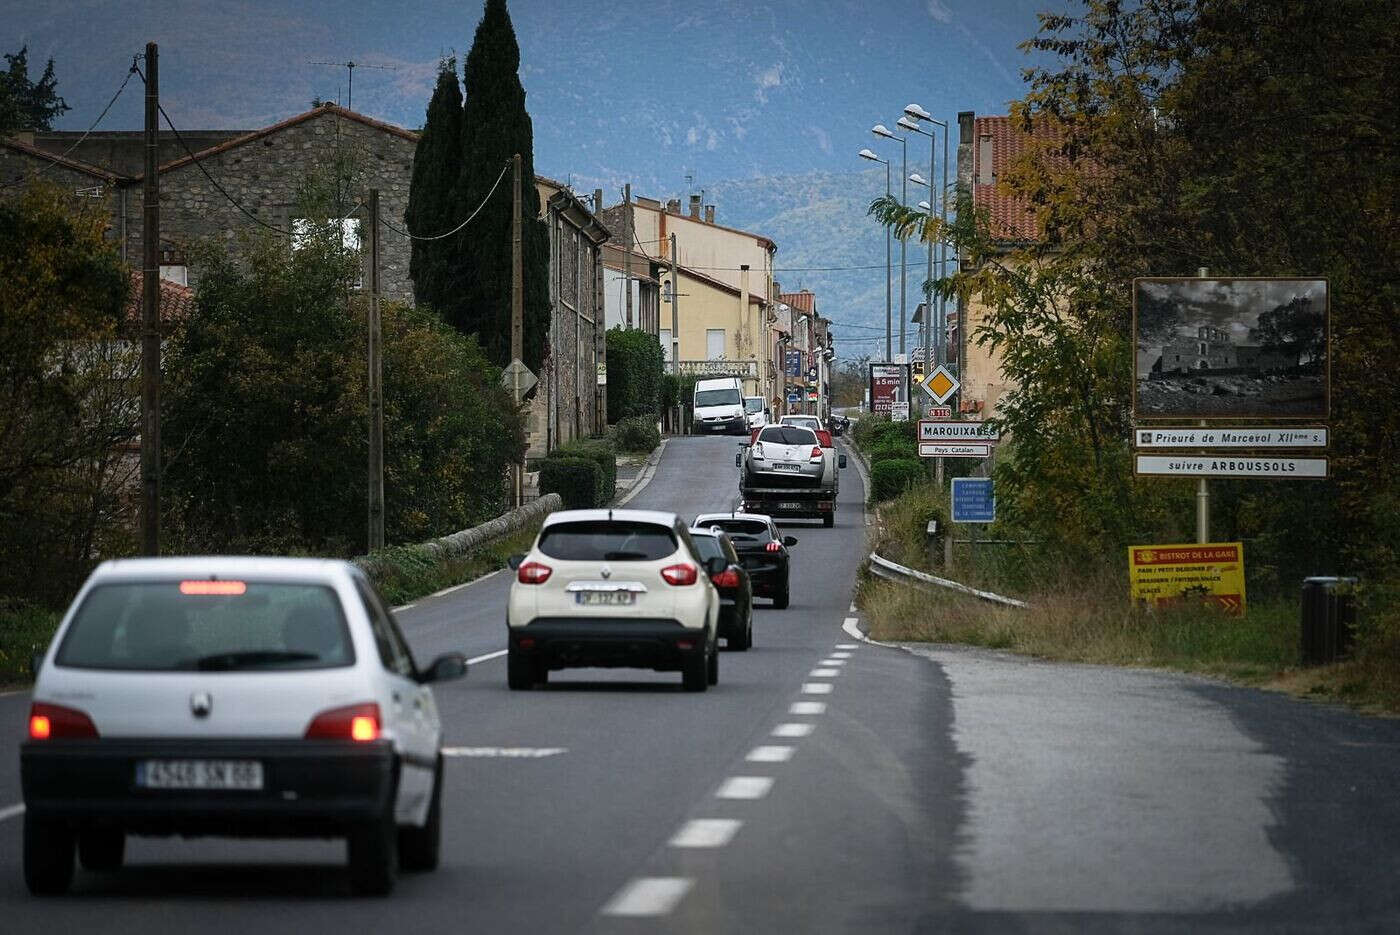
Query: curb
x=644 y=476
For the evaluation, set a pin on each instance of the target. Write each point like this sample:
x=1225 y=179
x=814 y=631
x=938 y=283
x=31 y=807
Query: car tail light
x=816 y=454
x=533 y=573
x=51 y=722
x=773 y=547
x=685 y=644
x=213 y=587
x=729 y=578
x=353 y=722
x=680 y=574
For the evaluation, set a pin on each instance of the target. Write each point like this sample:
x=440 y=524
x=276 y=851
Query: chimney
x=597 y=200
x=695 y=207
x=673 y=206
x=709 y=214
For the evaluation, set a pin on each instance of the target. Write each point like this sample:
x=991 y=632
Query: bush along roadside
x=575 y=480
x=636 y=435
x=24 y=631
x=406 y=573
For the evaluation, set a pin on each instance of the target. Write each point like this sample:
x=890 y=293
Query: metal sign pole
x=1202 y=487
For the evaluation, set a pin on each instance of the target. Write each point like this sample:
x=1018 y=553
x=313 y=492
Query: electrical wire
x=64 y=155
x=454 y=230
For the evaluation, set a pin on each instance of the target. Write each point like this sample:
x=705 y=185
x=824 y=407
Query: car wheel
x=541 y=673
x=101 y=849
x=372 y=852
x=520 y=671
x=48 y=857
x=419 y=848
x=712 y=668
x=829 y=520
x=780 y=598
x=695 y=672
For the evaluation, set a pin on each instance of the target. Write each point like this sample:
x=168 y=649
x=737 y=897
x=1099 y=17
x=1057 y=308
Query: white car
x=756 y=411
x=613 y=588
x=250 y=697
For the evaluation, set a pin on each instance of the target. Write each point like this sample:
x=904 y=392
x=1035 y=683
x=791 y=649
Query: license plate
x=787 y=467
x=607 y=598
x=792 y=506
x=199 y=774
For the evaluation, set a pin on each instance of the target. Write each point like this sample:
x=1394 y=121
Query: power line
x=454 y=230
x=64 y=155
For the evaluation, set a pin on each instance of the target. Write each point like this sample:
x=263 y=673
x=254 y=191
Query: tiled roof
x=290 y=122
x=62 y=160
x=803 y=301
x=1012 y=218
x=176 y=301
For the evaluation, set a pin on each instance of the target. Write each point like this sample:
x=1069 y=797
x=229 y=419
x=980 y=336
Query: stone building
x=1212 y=350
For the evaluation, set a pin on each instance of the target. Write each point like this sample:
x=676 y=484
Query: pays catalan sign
x=1212 y=572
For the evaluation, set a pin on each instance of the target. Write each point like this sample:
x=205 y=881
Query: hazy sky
x=647 y=92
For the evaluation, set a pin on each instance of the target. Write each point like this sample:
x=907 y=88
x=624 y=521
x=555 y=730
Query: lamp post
x=881 y=130
x=867 y=154
x=912 y=114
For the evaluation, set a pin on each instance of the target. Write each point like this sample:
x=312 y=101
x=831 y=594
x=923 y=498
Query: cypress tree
x=437 y=164
x=495 y=126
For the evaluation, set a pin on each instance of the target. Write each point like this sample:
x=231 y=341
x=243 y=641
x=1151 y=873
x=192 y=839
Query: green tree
x=437 y=164
x=495 y=126
x=26 y=104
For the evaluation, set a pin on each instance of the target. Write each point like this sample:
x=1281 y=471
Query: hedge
x=888 y=449
x=889 y=479
x=575 y=480
x=635 y=363
x=636 y=434
x=600 y=452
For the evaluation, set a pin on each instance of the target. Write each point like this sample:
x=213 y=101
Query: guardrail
x=893 y=571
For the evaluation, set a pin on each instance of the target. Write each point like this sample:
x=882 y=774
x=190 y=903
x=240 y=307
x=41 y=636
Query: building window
x=714 y=344
x=666 y=344
x=303 y=229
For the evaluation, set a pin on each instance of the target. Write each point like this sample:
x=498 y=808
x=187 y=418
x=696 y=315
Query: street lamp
x=913 y=113
x=867 y=154
x=881 y=130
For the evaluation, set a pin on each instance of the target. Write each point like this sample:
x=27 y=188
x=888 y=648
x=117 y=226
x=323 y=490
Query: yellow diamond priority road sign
x=940 y=384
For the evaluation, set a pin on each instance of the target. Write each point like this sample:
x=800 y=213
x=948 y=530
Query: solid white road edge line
x=648 y=896
x=854 y=631
x=521 y=753
x=464 y=584
x=744 y=787
x=644 y=476
x=706 y=832
x=13 y=811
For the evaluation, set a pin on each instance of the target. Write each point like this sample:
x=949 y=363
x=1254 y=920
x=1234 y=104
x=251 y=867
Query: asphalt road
x=825 y=785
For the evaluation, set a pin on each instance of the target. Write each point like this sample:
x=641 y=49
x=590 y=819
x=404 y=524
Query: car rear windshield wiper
x=624 y=556
x=222 y=662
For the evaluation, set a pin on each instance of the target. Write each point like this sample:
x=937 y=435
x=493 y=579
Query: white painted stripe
x=807 y=707
x=850 y=622
x=523 y=753
x=823 y=673
x=793 y=730
x=744 y=787
x=17 y=691
x=853 y=606
x=847 y=646
x=706 y=832
x=648 y=896
x=488 y=657
x=403 y=607
x=833 y=662
x=770 y=754
x=840 y=655
x=12 y=811
x=816 y=688
x=466 y=584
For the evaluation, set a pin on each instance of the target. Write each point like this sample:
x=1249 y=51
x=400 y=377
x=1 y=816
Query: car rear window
x=207 y=625
x=739 y=527
x=788 y=435
x=605 y=540
x=812 y=424
x=753 y=404
x=708 y=547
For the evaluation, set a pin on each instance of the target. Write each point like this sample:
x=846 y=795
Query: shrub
x=635 y=361
x=575 y=480
x=889 y=479
x=636 y=434
x=889 y=448
x=600 y=452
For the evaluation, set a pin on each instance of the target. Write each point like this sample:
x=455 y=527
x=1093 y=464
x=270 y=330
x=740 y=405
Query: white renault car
x=613 y=588
x=249 y=697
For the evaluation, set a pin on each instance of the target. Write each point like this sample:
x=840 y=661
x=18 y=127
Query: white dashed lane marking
x=807 y=707
x=706 y=832
x=816 y=688
x=840 y=655
x=824 y=673
x=793 y=730
x=847 y=645
x=745 y=787
x=770 y=754
x=837 y=663
x=648 y=896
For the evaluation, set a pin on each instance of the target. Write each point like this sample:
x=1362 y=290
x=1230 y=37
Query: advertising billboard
x=889 y=385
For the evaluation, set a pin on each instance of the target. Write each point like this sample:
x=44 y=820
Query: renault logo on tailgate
x=201 y=703
x=606 y=572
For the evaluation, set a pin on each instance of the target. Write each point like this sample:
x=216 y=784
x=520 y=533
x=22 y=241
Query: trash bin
x=1329 y=619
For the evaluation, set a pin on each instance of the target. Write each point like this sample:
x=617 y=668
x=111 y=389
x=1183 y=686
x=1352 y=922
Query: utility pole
x=150 y=316
x=376 y=386
x=627 y=248
x=675 y=315
x=517 y=313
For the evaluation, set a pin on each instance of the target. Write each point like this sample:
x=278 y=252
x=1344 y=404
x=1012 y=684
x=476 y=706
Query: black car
x=762 y=549
x=733 y=584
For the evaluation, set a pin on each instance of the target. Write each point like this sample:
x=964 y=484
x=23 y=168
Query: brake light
x=359 y=722
x=51 y=721
x=773 y=547
x=533 y=573
x=729 y=578
x=680 y=575
x=211 y=587
x=816 y=454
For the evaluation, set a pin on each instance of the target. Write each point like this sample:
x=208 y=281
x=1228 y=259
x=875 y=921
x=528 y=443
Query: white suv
x=263 y=697
x=613 y=588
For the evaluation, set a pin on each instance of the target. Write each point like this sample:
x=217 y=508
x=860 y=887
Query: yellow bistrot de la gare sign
x=1210 y=572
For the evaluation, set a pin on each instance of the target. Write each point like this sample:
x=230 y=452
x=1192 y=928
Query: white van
x=719 y=406
x=755 y=407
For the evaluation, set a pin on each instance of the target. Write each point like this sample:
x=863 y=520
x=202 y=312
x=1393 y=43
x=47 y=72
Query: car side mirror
x=841 y=461
x=789 y=541
x=445 y=668
x=715 y=565
x=515 y=561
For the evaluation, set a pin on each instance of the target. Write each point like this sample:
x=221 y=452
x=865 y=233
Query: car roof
x=657 y=517
x=223 y=566
x=711 y=517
